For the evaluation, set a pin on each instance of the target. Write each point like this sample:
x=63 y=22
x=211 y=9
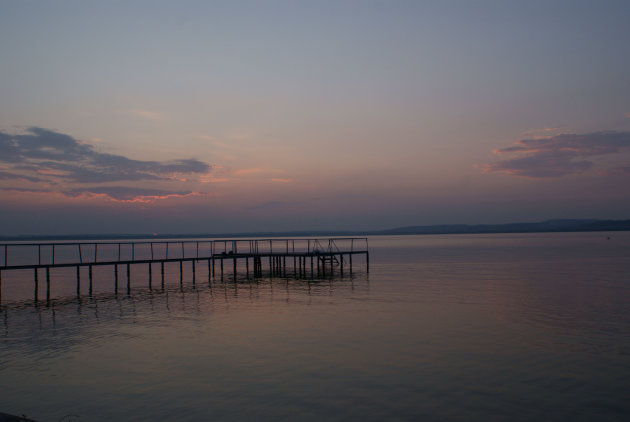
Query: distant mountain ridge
x=548 y=226
x=556 y=225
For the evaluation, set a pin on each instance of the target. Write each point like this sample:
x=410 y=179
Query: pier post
x=116 y=278
x=0 y=287
x=90 y=280
x=128 y=279
x=367 y=261
x=247 y=266
x=36 y=283
x=350 y=257
x=78 y=281
x=36 y=287
x=221 y=268
x=194 y=268
x=150 y=274
x=162 y=268
x=341 y=263
x=181 y=270
x=234 y=266
x=209 y=270
x=47 y=285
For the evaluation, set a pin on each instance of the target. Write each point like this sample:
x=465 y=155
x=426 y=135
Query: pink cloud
x=130 y=197
x=112 y=193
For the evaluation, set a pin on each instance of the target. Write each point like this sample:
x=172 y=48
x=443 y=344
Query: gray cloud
x=559 y=155
x=5 y=175
x=58 y=163
x=59 y=156
x=27 y=190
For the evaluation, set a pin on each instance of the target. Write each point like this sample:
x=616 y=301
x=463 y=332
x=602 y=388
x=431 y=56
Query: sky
x=239 y=116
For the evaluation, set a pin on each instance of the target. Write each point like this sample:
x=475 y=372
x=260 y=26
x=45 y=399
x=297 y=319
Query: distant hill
x=540 y=227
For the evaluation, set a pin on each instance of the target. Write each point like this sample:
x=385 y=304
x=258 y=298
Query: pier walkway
x=306 y=257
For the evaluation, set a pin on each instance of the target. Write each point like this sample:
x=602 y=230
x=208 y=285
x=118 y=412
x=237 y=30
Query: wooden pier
x=299 y=257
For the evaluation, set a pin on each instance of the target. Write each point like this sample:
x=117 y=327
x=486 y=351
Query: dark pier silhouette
x=298 y=257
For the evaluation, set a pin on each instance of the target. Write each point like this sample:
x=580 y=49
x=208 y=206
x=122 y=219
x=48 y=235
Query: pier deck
x=314 y=256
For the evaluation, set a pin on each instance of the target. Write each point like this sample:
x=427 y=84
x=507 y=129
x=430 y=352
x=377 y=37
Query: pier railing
x=62 y=254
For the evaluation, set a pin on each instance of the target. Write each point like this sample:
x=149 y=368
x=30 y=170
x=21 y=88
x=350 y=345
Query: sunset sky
x=212 y=116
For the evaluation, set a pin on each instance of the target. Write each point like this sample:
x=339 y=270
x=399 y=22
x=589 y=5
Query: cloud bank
x=559 y=155
x=55 y=159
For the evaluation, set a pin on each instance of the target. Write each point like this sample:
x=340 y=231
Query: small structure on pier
x=314 y=257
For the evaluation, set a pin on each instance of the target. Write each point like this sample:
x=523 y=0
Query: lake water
x=452 y=327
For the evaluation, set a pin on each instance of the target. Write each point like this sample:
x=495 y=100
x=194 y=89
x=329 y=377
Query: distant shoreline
x=548 y=226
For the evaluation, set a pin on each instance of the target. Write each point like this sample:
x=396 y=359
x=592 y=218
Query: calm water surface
x=457 y=327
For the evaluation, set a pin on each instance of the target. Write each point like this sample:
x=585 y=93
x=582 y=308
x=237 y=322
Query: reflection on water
x=475 y=327
x=57 y=326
